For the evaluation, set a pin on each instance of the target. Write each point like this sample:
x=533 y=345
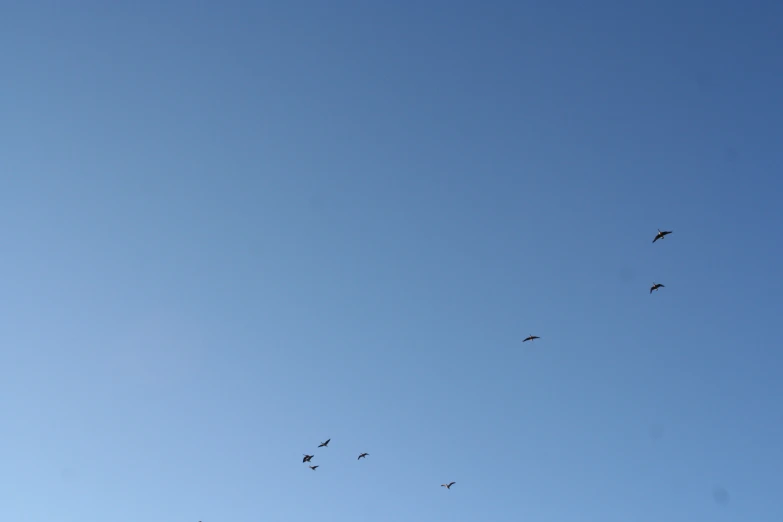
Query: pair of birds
x=308 y=458
x=660 y=235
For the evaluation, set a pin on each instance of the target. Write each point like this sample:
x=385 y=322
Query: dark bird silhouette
x=362 y=455
x=324 y=444
x=530 y=338
x=447 y=486
x=661 y=234
x=307 y=457
x=656 y=286
x=313 y=467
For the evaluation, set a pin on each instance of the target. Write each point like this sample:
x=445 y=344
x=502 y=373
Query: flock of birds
x=308 y=458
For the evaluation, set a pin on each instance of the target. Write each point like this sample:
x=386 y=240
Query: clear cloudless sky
x=232 y=230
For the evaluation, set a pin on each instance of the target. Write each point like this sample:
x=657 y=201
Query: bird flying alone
x=530 y=338
x=324 y=444
x=307 y=458
x=363 y=455
x=661 y=234
x=447 y=486
x=656 y=286
x=313 y=467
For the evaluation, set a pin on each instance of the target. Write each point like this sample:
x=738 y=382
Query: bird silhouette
x=324 y=444
x=530 y=338
x=362 y=455
x=447 y=486
x=661 y=234
x=307 y=457
x=313 y=467
x=656 y=286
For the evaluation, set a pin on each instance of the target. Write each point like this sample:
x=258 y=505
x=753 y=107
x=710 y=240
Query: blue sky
x=233 y=230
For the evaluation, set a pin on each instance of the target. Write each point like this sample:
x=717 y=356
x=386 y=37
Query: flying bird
x=661 y=234
x=313 y=467
x=447 y=486
x=656 y=286
x=530 y=338
x=324 y=444
x=362 y=455
x=307 y=457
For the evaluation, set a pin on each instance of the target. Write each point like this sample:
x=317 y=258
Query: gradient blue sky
x=232 y=230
